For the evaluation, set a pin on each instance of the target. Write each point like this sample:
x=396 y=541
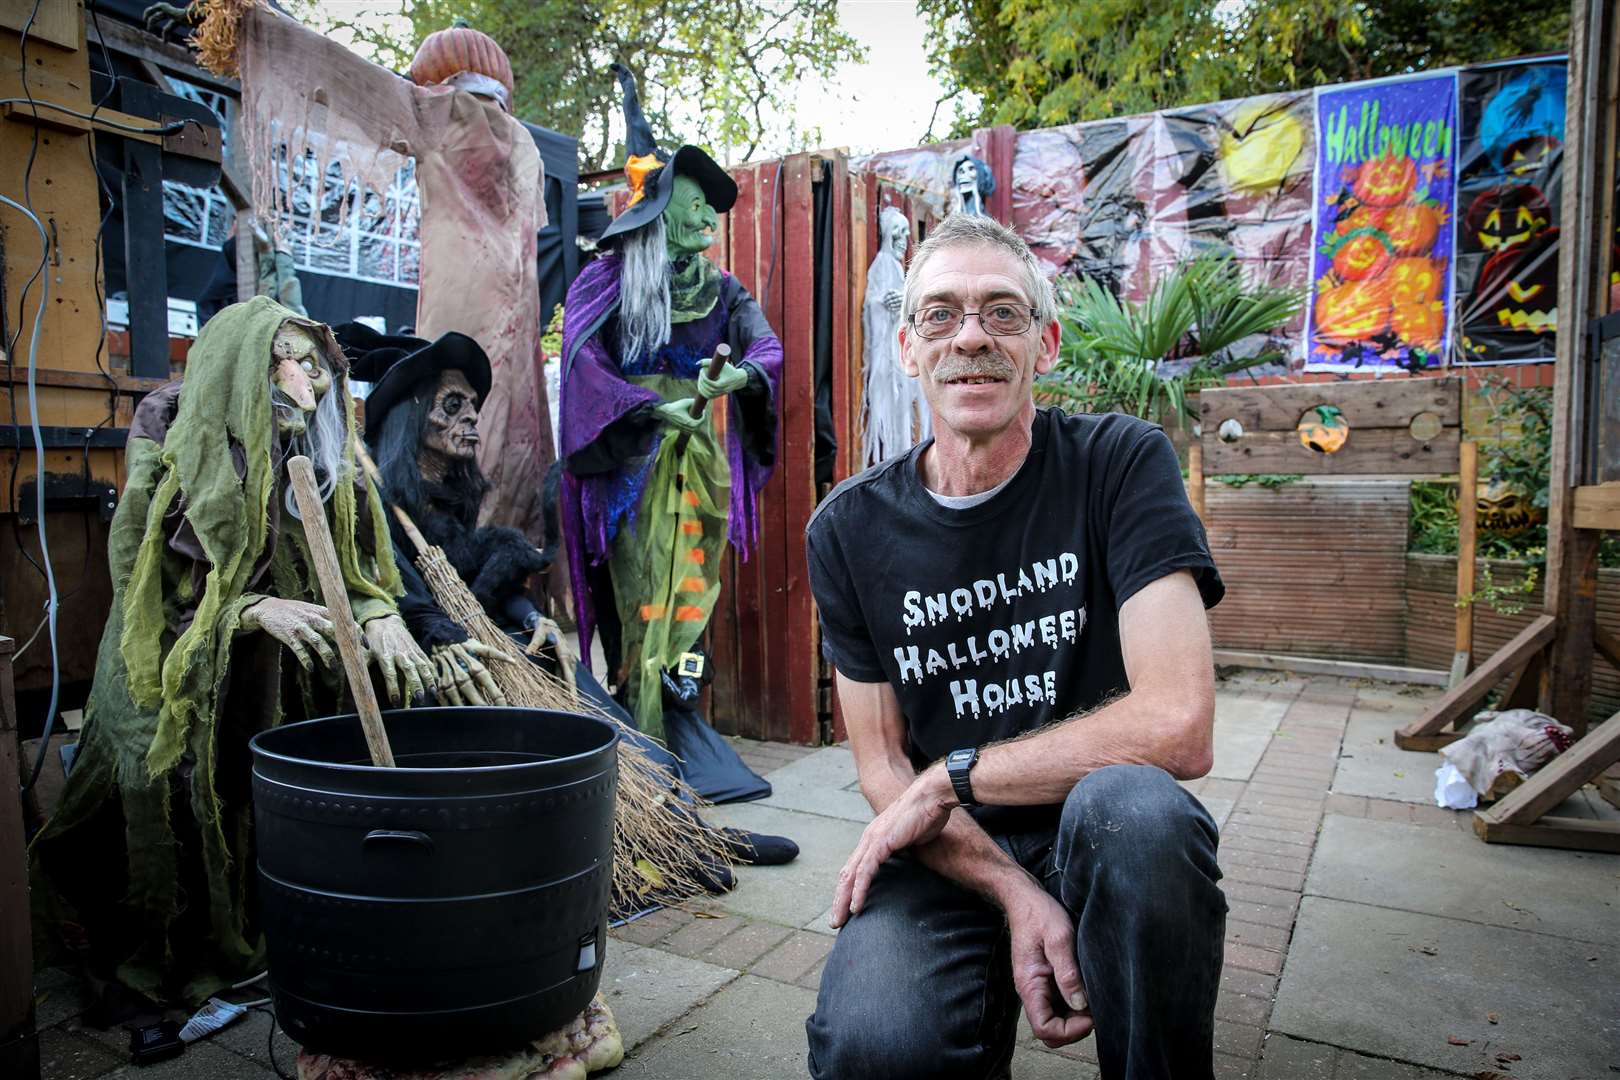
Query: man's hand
x=917 y=816
x=1045 y=972
x=731 y=379
x=463 y=679
x=678 y=414
x=399 y=658
x=300 y=626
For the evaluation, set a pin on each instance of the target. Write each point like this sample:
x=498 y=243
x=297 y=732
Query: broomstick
x=653 y=842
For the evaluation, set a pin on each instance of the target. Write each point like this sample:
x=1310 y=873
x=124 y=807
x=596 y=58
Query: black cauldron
x=456 y=904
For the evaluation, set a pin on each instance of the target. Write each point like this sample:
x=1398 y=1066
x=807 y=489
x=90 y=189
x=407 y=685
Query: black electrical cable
x=270 y=1040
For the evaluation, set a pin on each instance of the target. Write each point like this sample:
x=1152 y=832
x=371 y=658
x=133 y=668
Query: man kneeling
x=1031 y=620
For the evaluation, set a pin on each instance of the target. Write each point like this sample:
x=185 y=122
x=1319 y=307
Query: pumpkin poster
x=1382 y=240
x=1509 y=190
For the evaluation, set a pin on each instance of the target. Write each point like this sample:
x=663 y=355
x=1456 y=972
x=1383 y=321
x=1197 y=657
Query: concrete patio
x=1370 y=937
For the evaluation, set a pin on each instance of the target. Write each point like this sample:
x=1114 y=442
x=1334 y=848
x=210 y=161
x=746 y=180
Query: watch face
x=959 y=757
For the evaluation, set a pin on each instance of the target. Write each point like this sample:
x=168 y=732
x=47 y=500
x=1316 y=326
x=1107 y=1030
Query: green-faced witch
x=217 y=631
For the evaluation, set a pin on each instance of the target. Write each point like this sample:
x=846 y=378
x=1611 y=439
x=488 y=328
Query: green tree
x=1037 y=63
x=724 y=73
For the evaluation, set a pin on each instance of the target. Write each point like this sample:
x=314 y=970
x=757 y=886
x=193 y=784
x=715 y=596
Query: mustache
x=986 y=365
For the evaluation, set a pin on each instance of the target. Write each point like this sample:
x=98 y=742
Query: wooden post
x=19 y=1046
x=336 y=595
x=1195 y=478
x=1467 y=530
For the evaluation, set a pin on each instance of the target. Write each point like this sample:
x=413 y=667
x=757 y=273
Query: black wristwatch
x=958 y=763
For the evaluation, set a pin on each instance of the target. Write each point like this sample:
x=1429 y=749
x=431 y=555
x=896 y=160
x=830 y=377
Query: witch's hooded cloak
x=150 y=853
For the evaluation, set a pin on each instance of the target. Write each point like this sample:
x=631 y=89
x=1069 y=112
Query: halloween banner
x=1509 y=180
x=1382 y=244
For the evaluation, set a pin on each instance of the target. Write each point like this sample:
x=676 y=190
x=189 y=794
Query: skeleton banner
x=1381 y=265
x=1510 y=174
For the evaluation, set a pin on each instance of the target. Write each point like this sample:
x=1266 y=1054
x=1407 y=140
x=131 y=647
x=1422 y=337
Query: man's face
x=299 y=370
x=452 y=422
x=689 y=220
x=976 y=384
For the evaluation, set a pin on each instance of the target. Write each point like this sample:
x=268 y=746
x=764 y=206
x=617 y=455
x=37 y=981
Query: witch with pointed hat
x=650 y=495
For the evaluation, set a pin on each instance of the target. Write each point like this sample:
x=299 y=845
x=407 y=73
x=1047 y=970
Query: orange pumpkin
x=1386 y=181
x=1412 y=229
x=1420 y=325
x=456 y=49
x=1365 y=253
x=1364 y=217
x=1415 y=280
x=1352 y=311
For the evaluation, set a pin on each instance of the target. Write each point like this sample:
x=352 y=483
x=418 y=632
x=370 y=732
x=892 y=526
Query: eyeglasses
x=998 y=320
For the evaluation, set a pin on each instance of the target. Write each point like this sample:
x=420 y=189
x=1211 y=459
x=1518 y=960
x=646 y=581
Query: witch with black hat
x=652 y=496
x=422 y=429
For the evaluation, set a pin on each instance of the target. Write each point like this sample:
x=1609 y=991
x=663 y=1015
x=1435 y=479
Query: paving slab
x=1449 y=873
x=201 y=1061
x=794 y=894
x=1370 y=764
x=751 y=1030
x=647 y=988
x=1244 y=725
x=819 y=783
x=1395 y=984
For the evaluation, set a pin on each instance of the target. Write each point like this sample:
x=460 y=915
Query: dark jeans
x=919 y=984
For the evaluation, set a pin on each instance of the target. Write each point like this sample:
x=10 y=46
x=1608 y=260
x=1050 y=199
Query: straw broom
x=654 y=842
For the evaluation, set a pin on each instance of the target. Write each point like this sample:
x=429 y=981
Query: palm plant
x=1121 y=356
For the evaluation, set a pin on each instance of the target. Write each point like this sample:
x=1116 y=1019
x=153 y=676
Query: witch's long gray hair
x=322 y=440
x=644 y=291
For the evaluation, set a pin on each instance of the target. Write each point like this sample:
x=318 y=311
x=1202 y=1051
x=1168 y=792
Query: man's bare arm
x=1167 y=719
x=962 y=851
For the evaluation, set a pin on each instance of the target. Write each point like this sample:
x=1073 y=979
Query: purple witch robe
x=609 y=434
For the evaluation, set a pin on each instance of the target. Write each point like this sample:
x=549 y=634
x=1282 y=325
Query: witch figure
x=651 y=496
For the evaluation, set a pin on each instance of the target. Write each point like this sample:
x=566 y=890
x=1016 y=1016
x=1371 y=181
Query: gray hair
x=972 y=230
x=644 y=291
x=322 y=441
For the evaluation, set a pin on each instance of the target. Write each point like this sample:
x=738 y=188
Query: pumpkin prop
x=1412 y=229
x=1323 y=429
x=1352 y=311
x=1386 y=181
x=1421 y=325
x=458 y=48
x=1365 y=253
x=1507 y=509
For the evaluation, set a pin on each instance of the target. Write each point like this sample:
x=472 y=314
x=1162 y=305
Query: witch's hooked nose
x=292 y=380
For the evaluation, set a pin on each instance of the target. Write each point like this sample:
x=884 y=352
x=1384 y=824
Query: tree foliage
x=722 y=73
x=1037 y=63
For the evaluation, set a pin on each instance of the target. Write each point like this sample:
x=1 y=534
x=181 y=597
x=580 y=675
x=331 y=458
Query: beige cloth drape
x=481 y=185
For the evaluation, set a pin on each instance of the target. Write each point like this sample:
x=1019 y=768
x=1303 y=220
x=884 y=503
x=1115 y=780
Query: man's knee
x=1139 y=816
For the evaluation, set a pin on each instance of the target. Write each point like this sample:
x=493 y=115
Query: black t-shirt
x=1003 y=617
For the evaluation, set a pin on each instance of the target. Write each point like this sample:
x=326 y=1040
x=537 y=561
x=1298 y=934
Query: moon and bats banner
x=1509 y=188
x=1382 y=245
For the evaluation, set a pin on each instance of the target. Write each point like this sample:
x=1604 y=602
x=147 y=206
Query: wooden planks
x=1462 y=700
x=1597 y=506
x=1369 y=451
x=796 y=467
x=1467 y=528
x=1308 y=665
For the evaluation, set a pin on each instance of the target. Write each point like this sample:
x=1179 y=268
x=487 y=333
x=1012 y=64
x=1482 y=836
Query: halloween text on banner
x=1509 y=180
x=1381 y=265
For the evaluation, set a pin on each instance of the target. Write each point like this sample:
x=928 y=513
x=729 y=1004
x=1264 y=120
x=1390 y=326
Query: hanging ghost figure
x=895 y=416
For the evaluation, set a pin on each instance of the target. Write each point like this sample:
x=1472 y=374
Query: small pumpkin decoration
x=1352 y=311
x=1323 y=429
x=1365 y=253
x=1413 y=229
x=1506 y=509
x=1420 y=325
x=1415 y=280
x=1386 y=181
x=458 y=48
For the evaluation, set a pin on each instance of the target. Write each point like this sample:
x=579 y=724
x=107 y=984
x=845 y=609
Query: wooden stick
x=346 y=630
x=1467 y=534
x=722 y=353
x=1195 y=477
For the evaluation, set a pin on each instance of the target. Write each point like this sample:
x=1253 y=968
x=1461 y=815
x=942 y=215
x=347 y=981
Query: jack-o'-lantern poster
x=1509 y=181
x=1382 y=261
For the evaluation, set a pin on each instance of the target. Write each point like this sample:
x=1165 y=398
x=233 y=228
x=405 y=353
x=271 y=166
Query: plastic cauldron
x=455 y=904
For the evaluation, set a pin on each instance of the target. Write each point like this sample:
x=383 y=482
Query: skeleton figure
x=973 y=183
x=895 y=414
